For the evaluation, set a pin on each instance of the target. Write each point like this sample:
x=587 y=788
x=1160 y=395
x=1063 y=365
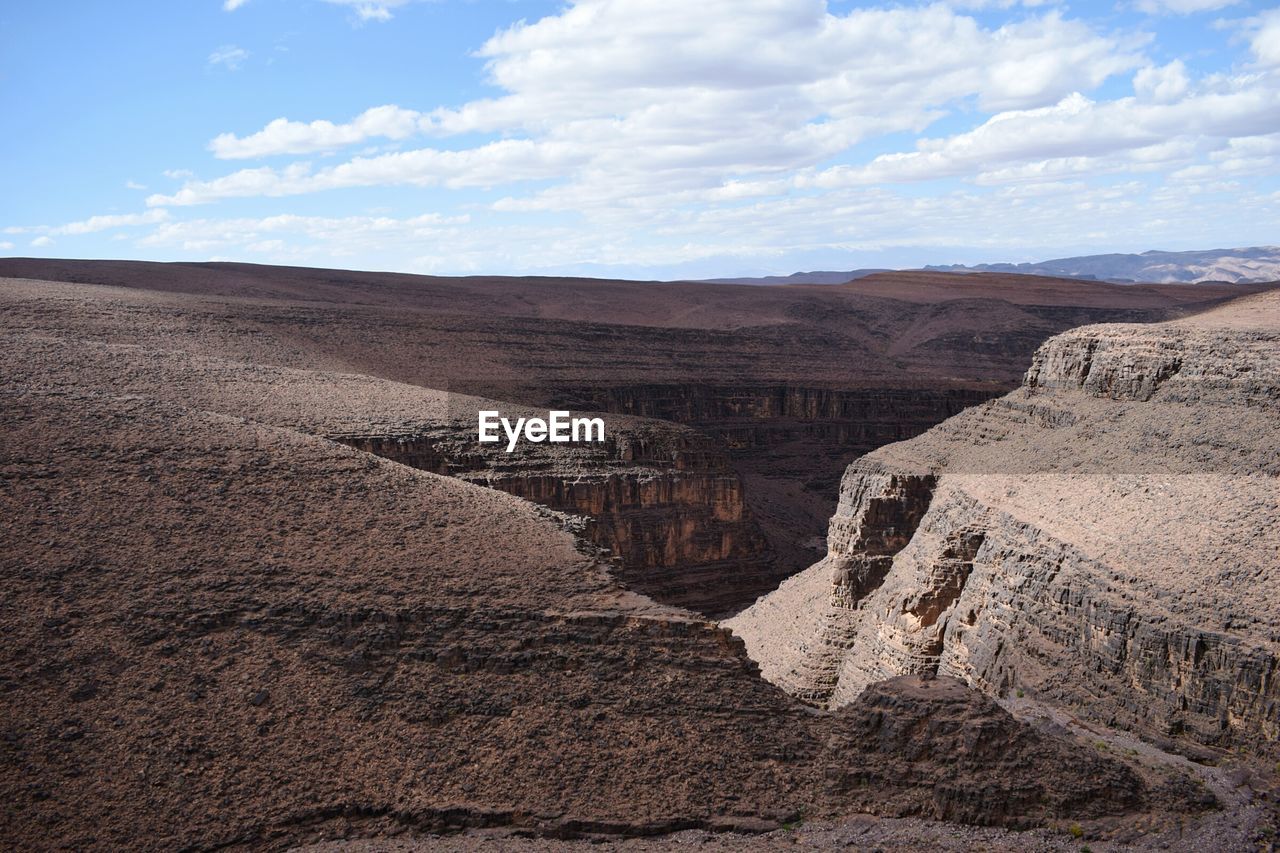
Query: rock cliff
x=657 y=497
x=792 y=383
x=1102 y=538
x=790 y=443
x=225 y=630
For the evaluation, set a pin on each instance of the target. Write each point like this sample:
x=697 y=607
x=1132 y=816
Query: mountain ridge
x=1241 y=265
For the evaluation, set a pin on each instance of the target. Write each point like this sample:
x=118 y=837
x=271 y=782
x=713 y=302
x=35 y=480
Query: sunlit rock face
x=1104 y=537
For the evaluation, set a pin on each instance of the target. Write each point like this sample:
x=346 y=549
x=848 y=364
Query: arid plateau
x=925 y=560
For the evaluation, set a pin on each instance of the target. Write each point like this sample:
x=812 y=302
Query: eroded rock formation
x=789 y=443
x=1104 y=538
x=656 y=496
x=223 y=629
x=792 y=383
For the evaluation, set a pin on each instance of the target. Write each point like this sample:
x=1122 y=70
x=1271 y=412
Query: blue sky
x=638 y=139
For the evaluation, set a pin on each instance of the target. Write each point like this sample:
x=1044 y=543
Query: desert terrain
x=264 y=590
x=789 y=385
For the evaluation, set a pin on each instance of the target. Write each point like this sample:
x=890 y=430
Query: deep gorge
x=709 y=520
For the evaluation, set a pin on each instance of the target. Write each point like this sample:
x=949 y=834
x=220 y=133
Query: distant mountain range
x=1253 y=264
x=814 y=277
x=1258 y=263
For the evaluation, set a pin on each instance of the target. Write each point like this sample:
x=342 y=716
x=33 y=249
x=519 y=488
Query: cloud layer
x=624 y=96
x=661 y=132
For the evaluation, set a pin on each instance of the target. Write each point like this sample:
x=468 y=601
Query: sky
x=640 y=139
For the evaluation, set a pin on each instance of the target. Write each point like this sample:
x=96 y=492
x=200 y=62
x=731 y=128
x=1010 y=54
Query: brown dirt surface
x=793 y=382
x=224 y=628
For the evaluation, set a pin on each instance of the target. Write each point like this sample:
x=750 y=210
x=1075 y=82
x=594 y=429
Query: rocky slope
x=658 y=497
x=1103 y=538
x=224 y=629
x=792 y=383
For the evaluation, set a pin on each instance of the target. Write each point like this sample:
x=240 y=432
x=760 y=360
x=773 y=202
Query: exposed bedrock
x=789 y=443
x=708 y=518
x=988 y=598
x=801 y=632
x=667 y=506
x=714 y=404
x=923 y=727
x=278 y=639
x=1103 y=538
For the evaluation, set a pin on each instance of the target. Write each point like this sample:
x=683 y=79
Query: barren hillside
x=226 y=628
x=791 y=383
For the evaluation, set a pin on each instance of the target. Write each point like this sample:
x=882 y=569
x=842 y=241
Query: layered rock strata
x=1104 y=538
x=222 y=631
x=790 y=443
x=792 y=382
x=656 y=497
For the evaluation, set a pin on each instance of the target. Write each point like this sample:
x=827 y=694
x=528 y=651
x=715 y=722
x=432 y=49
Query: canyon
x=1102 y=538
x=265 y=588
x=788 y=384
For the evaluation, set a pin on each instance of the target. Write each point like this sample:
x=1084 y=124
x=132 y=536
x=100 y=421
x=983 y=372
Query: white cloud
x=289 y=232
x=282 y=136
x=179 y=174
x=684 y=132
x=367 y=10
x=104 y=223
x=1251 y=155
x=41 y=242
x=1075 y=127
x=1182 y=7
x=232 y=5
x=502 y=162
x=5 y=245
x=611 y=57
x=1164 y=84
x=134 y=185
x=1009 y=221
x=619 y=97
x=1265 y=40
x=229 y=57
x=93 y=224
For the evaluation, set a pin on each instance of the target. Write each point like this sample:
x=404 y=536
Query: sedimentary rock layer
x=792 y=382
x=1104 y=537
x=790 y=443
x=667 y=506
x=224 y=633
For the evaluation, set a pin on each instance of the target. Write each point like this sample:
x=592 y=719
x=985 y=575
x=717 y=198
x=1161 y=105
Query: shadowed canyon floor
x=243 y=608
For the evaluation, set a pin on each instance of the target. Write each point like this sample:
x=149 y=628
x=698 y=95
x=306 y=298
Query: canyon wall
x=225 y=630
x=221 y=634
x=659 y=499
x=789 y=444
x=1103 y=538
x=709 y=517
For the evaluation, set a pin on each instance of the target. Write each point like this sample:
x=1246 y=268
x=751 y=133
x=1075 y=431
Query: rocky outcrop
x=789 y=443
x=800 y=632
x=1102 y=538
x=225 y=634
x=791 y=383
x=921 y=725
x=870 y=414
x=657 y=497
x=224 y=629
